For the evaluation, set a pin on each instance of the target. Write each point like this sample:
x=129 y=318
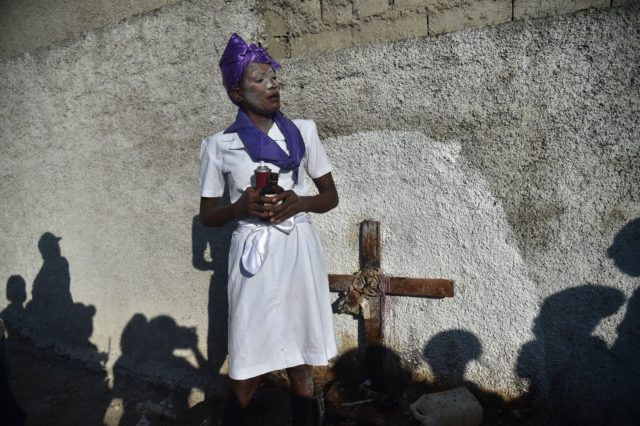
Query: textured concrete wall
x=504 y=157
x=29 y=24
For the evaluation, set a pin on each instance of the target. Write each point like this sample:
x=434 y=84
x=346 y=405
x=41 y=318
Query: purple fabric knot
x=236 y=58
x=261 y=147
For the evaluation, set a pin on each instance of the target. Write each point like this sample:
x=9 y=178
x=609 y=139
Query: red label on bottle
x=261 y=179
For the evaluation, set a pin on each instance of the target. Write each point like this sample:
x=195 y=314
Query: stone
x=275 y=24
x=196 y=396
x=276 y=30
x=297 y=17
x=404 y=28
x=337 y=12
x=278 y=47
x=539 y=8
x=366 y=8
x=411 y=4
x=478 y=14
x=448 y=408
x=617 y=3
x=320 y=42
x=308 y=14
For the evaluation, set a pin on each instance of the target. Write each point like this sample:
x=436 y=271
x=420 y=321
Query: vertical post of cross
x=370 y=259
x=374 y=340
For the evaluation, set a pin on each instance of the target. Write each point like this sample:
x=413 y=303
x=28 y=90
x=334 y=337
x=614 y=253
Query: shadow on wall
x=148 y=348
x=581 y=381
x=14 y=314
x=52 y=319
x=448 y=354
x=578 y=370
x=210 y=252
x=625 y=252
x=575 y=378
x=148 y=345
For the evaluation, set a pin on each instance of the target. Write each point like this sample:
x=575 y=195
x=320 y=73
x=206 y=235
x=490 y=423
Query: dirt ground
x=53 y=390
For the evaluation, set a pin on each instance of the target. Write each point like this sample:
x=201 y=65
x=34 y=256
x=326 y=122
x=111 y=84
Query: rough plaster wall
x=100 y=142
x=28 y=24
x=527 y=136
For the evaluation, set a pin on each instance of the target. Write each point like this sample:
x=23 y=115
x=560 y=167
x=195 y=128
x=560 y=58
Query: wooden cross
x=370 y=261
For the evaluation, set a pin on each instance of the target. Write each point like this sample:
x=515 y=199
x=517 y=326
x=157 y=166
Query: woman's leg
x=301 y=382
x=237 y=399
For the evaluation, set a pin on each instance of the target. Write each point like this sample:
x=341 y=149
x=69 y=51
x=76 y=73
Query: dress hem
x=248 y=373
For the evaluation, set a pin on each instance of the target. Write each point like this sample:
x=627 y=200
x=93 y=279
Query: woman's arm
x=325 y=200
x=248 y=205
x=212 y=215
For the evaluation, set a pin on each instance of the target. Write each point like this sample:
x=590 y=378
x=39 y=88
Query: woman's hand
x=291 y=205
x=251 y=204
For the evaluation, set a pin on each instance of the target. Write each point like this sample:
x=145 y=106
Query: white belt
x=256 y=245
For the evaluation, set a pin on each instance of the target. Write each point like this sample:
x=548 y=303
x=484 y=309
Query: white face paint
x=260 y=89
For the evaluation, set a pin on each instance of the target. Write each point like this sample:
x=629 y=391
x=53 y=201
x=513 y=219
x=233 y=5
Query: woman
x=279 y=308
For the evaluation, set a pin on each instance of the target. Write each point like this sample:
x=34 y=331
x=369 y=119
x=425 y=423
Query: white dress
x=281 y=316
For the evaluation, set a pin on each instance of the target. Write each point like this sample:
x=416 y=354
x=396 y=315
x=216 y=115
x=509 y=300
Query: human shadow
x=52 y=320
x=625 y=249
x=14 y=315
x=11 y=414
x=52 y=317
x=49 y=310
x=572 y=373
x=210 y=252
x=370 y=386
x=449 y=354
x=147 y=350
x=625 y=252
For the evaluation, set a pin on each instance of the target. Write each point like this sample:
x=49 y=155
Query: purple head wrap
x=236 y=58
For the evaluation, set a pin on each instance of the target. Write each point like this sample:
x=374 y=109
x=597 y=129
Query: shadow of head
x=49 y=245
x=449 y=352
x=625 y=249
x=574 y=313
x=16 y=290
x=155 y=338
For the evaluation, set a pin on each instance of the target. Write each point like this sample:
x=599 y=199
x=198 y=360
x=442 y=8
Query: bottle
x=261 y=174
x=455 y=407
x=272 y=189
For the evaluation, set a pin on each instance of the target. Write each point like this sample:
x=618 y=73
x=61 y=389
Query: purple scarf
x=262 y=148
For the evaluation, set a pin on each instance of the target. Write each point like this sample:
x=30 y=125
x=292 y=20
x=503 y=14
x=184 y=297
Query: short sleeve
x=318 y=163
x=211 y=177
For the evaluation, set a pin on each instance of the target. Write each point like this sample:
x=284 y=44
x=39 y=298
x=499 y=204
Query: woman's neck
x=260 y=121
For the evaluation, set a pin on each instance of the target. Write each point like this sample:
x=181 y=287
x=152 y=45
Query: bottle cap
x=262 y=168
